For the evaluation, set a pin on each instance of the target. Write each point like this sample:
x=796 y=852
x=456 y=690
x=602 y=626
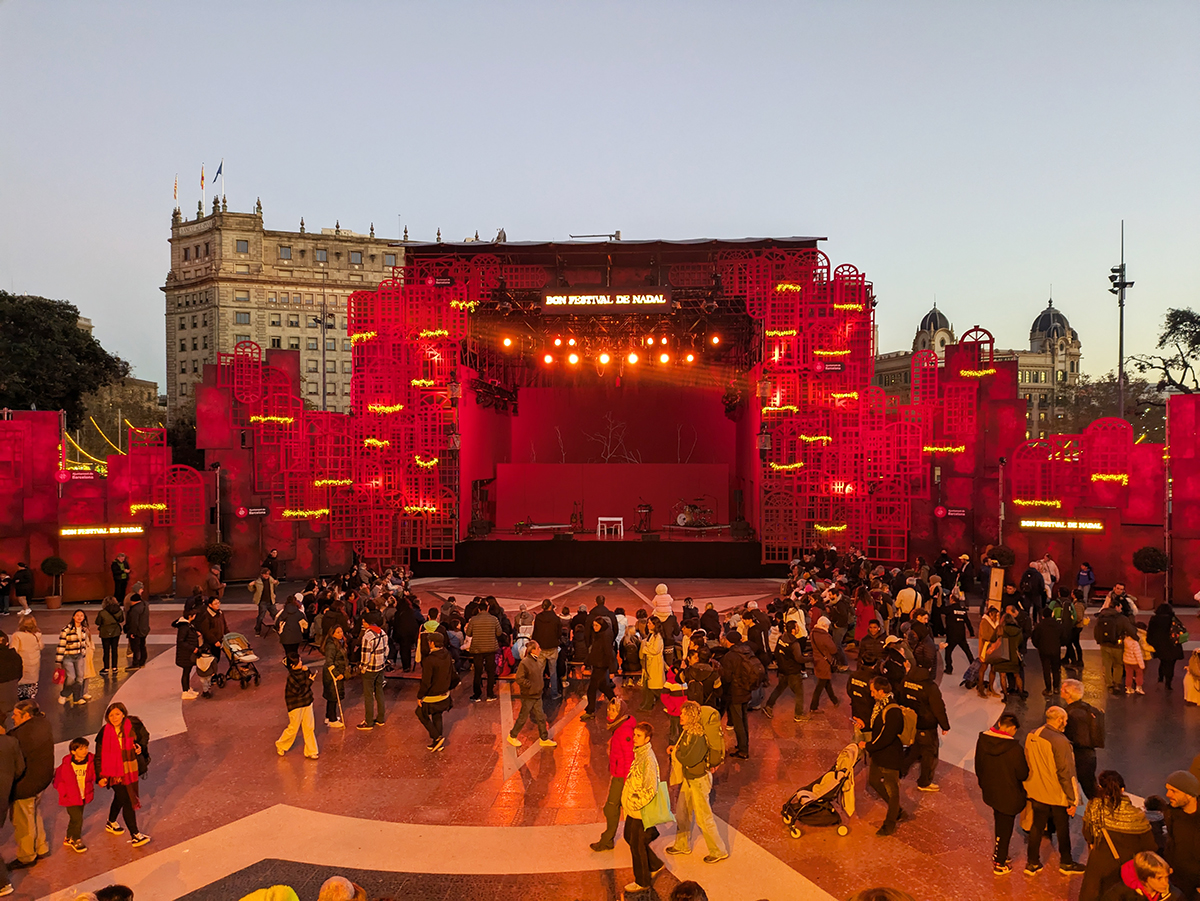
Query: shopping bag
x=658 y=811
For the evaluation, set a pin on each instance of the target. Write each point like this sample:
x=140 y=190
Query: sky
x=976 y=153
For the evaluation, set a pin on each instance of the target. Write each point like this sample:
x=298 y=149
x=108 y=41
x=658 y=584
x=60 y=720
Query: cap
x=891 y=639
x=1183 y=781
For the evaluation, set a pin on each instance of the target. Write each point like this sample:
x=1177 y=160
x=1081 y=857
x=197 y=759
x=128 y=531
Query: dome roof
x=935 y=319
x=1050 y=323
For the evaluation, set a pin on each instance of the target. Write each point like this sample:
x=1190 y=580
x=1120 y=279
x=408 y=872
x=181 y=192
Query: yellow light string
x=137 y=508
x=786 y=467
x=425 y=464
x=813 y=438
x=413 y=509
x=306 y=514
x=360 y=337
x=282 y=420
x=82 y=451
x=944 y=448
x=788 y=286
x=831 y=353
x=856 y=307
x=786 y=408
x=326 y=483
x=468 y=305
x=781 y=332
x=1122 y=477
x=1036 y=503
x=375 y=442
x=433 y=333
x=385 y=408
x=422 y=383
x=845 y=395
x=105 y=437
x=821 y=528
x=976 y=373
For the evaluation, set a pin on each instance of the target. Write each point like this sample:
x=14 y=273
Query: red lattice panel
x=146 y=437
x=924 y=378
x=959 y=410
x=1107 y=445
x=181 y=489
x=1032 y=473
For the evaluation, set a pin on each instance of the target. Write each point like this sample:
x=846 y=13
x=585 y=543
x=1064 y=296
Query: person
x=957 y=622
x=1085 y=579
x=651 y=654
x=118 y=747
x=213 y=585
x=989 y=628
x=137 y=625
x=1182 y=821
x=36 y=738
x=298 y=696
x=688 y=890
x=187 y=648
x=701 y=676
x=333 y=675
x=740 y=678
x=1111 y=629
x=641 y=786
x=271 y=564
x=531 y=682
x=789 y=663
x=1074 y=613
x=1047 y=638
x=710 y=621
x=698 y=752
x=870 y=648
x=12 y=764
x=11 y=669
x=291 y=626
x=885 y=750
x=1085 y=732
x=371 y=662
x=1001 y=770
x=1135 y=664
x=1163 y=634
x=71 y=658
x=620 y=757
x=923 y=695
x=438 y=677
x=1191 y=680
x=108 y=625
x=22 y=583
x=5 y=591
x=75 y=782
x=27 y=641
x=484 y=632
x=1051 y=790
x=600 y=658
x=1145 y=878
x=1115 y=830
x=1011 y=668
x=120 y=576
x=547 y=632
x=824 y=653
x=210 y=623
x=262 y=592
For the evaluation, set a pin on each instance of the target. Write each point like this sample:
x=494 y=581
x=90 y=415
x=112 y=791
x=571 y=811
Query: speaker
x=563 y=536
x=651 y=536
x=740 y=529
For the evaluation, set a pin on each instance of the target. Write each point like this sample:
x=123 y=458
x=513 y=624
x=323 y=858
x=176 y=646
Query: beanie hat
x=661 y=588
x=1183 y=781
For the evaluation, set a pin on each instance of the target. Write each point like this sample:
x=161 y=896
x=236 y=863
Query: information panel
x=594 y=303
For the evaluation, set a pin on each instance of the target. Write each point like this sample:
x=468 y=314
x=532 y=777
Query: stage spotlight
x=664 y=358
x=662 y=340
x=508 y=342
x=716 y=339
x=691 y=358
x=571 y=342
x=632 y=358
x=547 y=359
x=604 y=358
x=650 y=340
x=573 y=359
x=558 y=342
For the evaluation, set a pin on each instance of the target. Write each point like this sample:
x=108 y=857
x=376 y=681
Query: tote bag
x=658 y=811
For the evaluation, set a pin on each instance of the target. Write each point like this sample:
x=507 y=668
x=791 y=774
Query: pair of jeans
x=886 y=783
x=925 y=749
x=122 y=803
x=693 y=806
x=111 y=652
x=299 y=720
x=1004 y=830
x=75 y=668
x=958 y=641
x=612 y=809
x=1051 y=671
x=28 y=828
x=795 y=682
x=373 y=697
x=598 y=682
x=645 y=861
x=264 y=610
x=485 y=663
x=531 y=709
x=137 y=644
x=741 y=727
x=1042 y=814
x=827 y=687
x=430 y=716
x=551 y=658
x=1112 y=655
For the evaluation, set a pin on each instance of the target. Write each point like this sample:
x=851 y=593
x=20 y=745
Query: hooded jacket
x=922 y=694
x=620 y=744
x=530 y=677
x=1130 y=888
x=1001 y=770
x=824 y=652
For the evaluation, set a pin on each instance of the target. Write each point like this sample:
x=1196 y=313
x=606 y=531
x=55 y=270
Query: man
x=1051 y=790
x=600 y=659
x=12 y=765
x=620 y=756
x=372 y=660
x=433 y=695
x=1111 y=628
x=870 y=649
x=858 y=689
x=600 y=611
x=137 y=626
x=886 y=751
x=1001 y=770
x=214 y=587
x=789 y=661
x=22 y=583
x=547 y=632
x=957 y=621
x=740 y=678
x=120 y=575
x=1047 y=638
x=484 y=632
x=923 y=695
x=531 y=682
x=33 y=733
x=1033 y=590
x=210 y=623
x=1085 y=732
x=1183 y=831
x=699 y=751
x=271 y=564
x=907 y=599
x=710 y=621
x=262 y=590
x=920 y=639
x=701 y=677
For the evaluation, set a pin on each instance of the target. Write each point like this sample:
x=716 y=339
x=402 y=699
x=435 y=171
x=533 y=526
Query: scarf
x=119 y=759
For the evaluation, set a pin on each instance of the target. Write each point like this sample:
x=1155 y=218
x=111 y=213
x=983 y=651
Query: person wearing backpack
x=925 y=698
x=889 y=725
x=1112 y=626
x=789 y=660
x=699 y=750
x=738 y=673
x=1085 y=731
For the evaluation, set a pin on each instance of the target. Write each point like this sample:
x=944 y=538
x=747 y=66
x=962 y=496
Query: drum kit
x=694 y=514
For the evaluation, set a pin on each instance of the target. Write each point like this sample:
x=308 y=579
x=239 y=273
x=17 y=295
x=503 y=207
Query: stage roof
x=422 y=247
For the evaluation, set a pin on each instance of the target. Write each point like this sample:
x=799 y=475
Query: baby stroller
x=816 y=803
x=241 y=661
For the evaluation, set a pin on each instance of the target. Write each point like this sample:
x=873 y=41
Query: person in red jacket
x=620 y=758
x=75 y=782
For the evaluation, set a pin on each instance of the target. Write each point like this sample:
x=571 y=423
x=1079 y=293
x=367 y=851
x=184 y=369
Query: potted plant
x=55 y=568
x=218 y=554
x=1149 y=560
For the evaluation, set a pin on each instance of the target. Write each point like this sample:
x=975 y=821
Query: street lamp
x=1119 y=284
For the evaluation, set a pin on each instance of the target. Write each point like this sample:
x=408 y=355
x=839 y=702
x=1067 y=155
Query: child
x=299 y=697
x=1135 y=666
x=75 y=780
x=673 y=696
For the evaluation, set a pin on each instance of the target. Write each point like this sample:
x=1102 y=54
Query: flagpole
x=203 y=191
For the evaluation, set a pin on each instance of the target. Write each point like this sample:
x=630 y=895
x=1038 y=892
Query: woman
x=1163 y=635
x=333 y=679
x=74 y=644
x=116 y=759
x=936 y=602
x=651 y=653
x=291 y=627
x=108 y=624
x=187 y=648
x=1191 y=680
x=27 y=641
x=1085 y=580
x=1115 y=831
x=864 y=612
x=641 y=786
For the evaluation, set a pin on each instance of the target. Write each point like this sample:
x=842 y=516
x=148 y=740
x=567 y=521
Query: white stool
x=610 y=527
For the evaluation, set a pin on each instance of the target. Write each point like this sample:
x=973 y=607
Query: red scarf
x=118 y=759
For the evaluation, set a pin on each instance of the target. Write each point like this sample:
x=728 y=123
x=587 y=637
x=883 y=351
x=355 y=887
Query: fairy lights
x=422 y=383
x=976 y=373
x=376 y=442
x=787 y=467
x=845 y=395
x=385 y=408
x=1021 y=502
x=425 y=464
x=788 y=286
x=306 y=514
x=1121 y=477
x=821 y=528
x=854 y=307
x=330 y=483
x=433 y=333
x=812 y=439
x=468 y=305
x=786 y=408
x=944 y=448
x=138 y=508
x=360 y=337
x=414 y=509
x=280 y=420
x=831 y=353
x=781 y=333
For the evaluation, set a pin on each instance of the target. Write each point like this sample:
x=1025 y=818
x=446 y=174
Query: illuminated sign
x=1063 y=525
x=581 y=303
x=100 y=531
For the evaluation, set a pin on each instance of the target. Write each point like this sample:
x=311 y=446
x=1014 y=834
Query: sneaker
x=78 y=845
x=19 y=864
x=1001 y=869
x=103 y=672
x=634 y=887
x=364 y=727
x=1032 y=869
x=311 y=756
x=7 y=889
x=381 y=722
x=62 y=699
x=671 y=849
x=493 y=697
x=114 y=828
x=79 y=703
x=189 y=695
x=473 y=698
x=429 y=747
x=1139 y=690
x=768 y=712
x=931 y=787
x=654 y=873
x=139 y=839
x=548 y=743
x=281 y=751
x=715 y=858
x=336 y=724
x=603 y=846
x=1070 y=868
x=439 y=744
x=515 y=742
x=87 y=697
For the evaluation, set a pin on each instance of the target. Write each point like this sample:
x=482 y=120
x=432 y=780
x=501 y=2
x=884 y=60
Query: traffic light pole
x=1118 y=288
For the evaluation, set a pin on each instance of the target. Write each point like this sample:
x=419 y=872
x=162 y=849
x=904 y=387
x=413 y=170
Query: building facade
x=233 y=280
x=1047 y=372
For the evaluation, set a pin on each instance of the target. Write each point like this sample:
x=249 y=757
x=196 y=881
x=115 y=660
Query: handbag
x=658 y=811
x=996 y=652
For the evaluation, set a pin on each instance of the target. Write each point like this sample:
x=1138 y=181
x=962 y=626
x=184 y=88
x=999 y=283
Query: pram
x=241 y=661
x=816 y=803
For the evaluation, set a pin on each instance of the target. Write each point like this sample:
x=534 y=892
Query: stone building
x=233 y=280
x=1046 y=372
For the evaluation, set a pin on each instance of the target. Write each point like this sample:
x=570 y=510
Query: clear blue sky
x=976 y=152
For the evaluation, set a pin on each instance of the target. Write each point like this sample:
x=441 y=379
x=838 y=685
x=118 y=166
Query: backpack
x=1029 y=583
x=1106 y=629
x=749 y=673
x=909 y=733
x=1095 y=726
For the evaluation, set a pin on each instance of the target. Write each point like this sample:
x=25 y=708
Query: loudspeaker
x=563 y=536
x=651 y=536
x=740 y=529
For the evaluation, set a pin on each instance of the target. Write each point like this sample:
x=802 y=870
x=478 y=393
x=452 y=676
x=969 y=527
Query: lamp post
x=1119 y=284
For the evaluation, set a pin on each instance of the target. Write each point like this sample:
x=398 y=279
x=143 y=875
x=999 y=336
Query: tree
x=47 y=361
x=110 y=407
x=181 y=438
x=1149 y=560
x=1179 y=342
x=1096 y=398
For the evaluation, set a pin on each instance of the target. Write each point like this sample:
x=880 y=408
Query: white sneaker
x=87 y=697
x=26 y=612
x=190 y=695
x=337 y=724
x=62 y=699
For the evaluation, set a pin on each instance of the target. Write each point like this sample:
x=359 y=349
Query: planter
x=53 y=602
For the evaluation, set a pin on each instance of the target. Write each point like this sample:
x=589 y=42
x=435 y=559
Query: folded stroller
x=241 y=661
x=816 y=804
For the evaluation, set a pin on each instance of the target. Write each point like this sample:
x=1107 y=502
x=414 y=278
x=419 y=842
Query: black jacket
x=858 y=689
x=1047 y=637
x=701 y=681
x=12 y=764
x=1158 y=636
x=789 y=656
x=1079 y=724
x=211 y=627
x=958 y=622
x=1001 y=770
x=729 y=667
x=547 y=630
x=597 y=612
x=297 y=693
x=137 y=620
x=37 y=746
x=11 y=666
x=870 y=650
x=922 y=694
x=22 y=582
x=187 y=642
x=437 y=673
x=600 y=653
x=884 y=747
x=710 y=622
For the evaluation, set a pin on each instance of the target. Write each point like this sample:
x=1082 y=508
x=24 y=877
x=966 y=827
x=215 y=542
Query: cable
x=82 y=451
x=105 y=437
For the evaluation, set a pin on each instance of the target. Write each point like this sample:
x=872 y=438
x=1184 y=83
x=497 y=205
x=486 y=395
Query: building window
x=203 y=320
x=193 y=322
x=196 y=251
x=312 y=387
x=331 y=344
x=346 y=389
x=308 y=298
x=313 y=345
x=283 y=298
x=285 y=253
x=206 y=248
x=313 y=322
x=195 y=365
x=242 y=269
x=1042 y=433
x=312 y=366
x=183 y=389
x=241 y=317
x=182 y=322
x=293 y=343
x=331 y=387
x=276 y=319
x=271 y=298
x=241 y=297
x=321 y=255
x=276 y=342
x=331 y=365
x=186 y=254
x=238 y=339
x=294 y=320
x=242 y=246
x=205 y=342
x=195 y=346
x=183 y=365
x=346 y=366
x=347 y=345
x=356 y=257
x=389 y=260
x=1062 y=376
